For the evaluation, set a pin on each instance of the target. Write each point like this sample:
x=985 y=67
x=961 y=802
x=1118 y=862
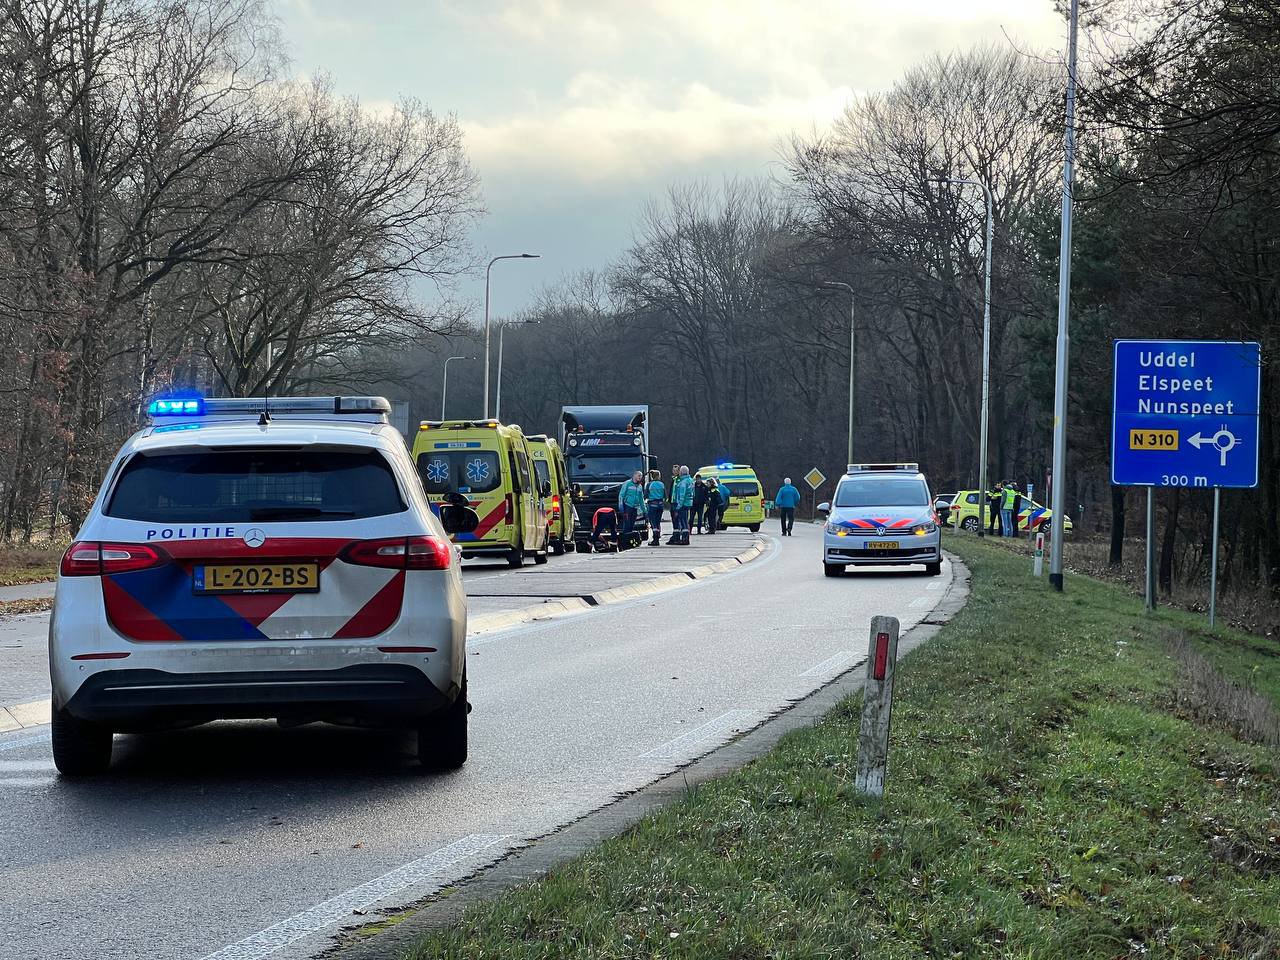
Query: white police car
x=882 y=515
x=251 y=558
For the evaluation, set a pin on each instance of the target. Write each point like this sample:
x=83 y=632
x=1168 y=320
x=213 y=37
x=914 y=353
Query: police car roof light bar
x=868 y=467
x=267 y=408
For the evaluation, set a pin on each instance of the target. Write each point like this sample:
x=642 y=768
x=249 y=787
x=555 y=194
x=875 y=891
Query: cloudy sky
x=576 y=111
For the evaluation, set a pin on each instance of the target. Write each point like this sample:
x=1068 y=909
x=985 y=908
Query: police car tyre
x=80 y=748
x=442 y=740
x=833 y=569
x=933 y=569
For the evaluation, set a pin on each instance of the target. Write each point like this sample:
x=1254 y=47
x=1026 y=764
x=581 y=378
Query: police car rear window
x=463 y=471
x=882 y=492
x=262 y=486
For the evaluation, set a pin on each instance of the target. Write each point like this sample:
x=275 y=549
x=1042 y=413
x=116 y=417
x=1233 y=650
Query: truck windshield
x=589 y=468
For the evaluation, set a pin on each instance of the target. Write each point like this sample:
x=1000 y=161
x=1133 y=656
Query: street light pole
x=444 y=387
x=836 y=284
x=502 y=330
x=1058 y=500
x=487 y=271
x=986 y=358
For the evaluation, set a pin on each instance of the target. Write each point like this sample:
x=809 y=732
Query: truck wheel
x=442 y=739
x=80 y=748
x=515 y=556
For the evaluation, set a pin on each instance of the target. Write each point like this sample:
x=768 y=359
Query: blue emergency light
x=177 y=407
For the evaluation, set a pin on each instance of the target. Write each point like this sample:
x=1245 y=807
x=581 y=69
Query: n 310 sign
x=1186 y=413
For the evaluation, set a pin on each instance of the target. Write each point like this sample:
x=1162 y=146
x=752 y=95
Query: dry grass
x=1212 y=698
x=29 y=563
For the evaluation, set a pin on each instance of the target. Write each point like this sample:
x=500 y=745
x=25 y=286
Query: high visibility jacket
x=682 y=492
x=631 y=495
x=656 y=492
x=1007 y=502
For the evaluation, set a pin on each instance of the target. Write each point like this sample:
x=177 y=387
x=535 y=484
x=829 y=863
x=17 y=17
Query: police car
x=882 y=515
x=251 y=558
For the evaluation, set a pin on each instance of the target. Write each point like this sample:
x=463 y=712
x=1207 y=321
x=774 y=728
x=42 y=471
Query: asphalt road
x=242 y=840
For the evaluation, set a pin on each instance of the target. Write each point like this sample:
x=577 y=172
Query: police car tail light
x=91 y=559
x=400 y=553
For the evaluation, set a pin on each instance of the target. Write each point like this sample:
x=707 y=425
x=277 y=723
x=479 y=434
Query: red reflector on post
x=119 y=655
x=882 y=656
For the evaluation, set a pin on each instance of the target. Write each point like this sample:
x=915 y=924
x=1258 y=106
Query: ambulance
x=491 y=465
x=746 y=499
x=549 y=464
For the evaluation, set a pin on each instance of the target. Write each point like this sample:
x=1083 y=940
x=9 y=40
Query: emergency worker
x=699 y=501
x=1008 y=495
x=1017 y=504
x=681 y=502
x=655 y=498
x=630 y=502
x=786 y=500
x=994 y=500
x=711 y=511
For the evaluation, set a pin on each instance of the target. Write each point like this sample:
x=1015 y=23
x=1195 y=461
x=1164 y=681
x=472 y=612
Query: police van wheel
x=442 y=740
x=933 y=569
x=833 y=569
x=80 y=748
x=515 y=556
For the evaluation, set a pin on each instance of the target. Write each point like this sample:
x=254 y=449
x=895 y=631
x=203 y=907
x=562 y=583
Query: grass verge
x=1048 y=797
x=29 y=563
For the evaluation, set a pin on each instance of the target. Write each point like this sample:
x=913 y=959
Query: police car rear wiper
x=295 y=513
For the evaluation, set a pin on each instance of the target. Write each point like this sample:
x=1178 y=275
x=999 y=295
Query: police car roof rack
x=265 y=410
x=882 y=467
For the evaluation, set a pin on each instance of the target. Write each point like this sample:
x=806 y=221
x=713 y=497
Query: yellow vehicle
x=490 y=464
x=746 y=499
x=1031 y=516
x=549 y=464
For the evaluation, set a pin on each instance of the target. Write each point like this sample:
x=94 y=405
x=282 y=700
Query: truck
x=604 y=446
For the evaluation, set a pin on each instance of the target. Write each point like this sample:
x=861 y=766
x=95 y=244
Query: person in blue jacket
x=655 y=498
x=630 y=500
x=681 y=503
x=786 y=500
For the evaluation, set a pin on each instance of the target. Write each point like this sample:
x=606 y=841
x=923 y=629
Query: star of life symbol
x=438 y=471
x=477 y=472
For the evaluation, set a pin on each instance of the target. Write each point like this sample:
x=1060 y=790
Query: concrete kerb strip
x=19 y=716
x=542 y=855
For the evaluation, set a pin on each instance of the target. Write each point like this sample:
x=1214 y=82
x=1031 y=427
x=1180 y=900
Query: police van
x=491 y=465
x=549 y=464
x=259 y=558
x=745 y=499
x=882 y=515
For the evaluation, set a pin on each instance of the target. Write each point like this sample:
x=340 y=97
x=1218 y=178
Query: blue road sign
x=1186 y=413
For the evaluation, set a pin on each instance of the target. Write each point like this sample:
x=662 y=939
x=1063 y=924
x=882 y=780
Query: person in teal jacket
x=630 y=501
x=786 y=500
x=655 y=498
x=681 y=504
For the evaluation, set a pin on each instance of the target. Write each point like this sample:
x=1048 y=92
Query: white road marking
x=936 y=585
x=920 y=602
x=828 y=665
x=717 y=725
x=268 y=941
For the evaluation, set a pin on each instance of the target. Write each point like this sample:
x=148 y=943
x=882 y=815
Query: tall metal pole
x=985 y=414
x=1150 y=580
x=1213 y=568
x=853 y=315
x=497 y=400
x=1059 y=498
x=444 y=386
x=487 y=271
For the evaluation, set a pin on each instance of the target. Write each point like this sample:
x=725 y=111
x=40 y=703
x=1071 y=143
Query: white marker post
x=877 y=706
x=1039 y=561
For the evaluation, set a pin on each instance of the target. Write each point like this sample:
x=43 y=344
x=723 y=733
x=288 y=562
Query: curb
x=551 y=609
x=20 y=716
x=540 y=856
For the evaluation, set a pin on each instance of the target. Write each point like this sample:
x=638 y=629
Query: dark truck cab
x=603 y=447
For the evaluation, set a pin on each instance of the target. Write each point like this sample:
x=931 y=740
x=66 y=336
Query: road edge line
x=539 y=856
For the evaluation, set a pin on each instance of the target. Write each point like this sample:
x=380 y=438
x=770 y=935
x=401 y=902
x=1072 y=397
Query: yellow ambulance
x=491 y=464
x=746 y=500
x=549 y=464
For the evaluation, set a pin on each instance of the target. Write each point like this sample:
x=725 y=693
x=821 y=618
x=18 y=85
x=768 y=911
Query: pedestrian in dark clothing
x=994 y=499
x=713 y=508
x=699 y=502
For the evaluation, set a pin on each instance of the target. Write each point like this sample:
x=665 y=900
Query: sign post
x=815 y=478
x=1185 y=414
x=877 y=707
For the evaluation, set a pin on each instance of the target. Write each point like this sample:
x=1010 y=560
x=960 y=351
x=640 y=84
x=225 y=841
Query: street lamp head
x=530 y=256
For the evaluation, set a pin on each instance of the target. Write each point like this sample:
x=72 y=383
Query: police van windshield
x=263 y=486
x=464 y=471
x=882 y=492
x=587 y=467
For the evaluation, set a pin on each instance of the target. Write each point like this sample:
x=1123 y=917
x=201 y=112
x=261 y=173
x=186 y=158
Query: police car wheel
x=442 y=740
x=80 y=748
x=833 y=569
x=933 y=569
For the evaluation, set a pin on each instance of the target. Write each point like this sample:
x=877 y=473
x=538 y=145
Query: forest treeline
x=177 y=212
